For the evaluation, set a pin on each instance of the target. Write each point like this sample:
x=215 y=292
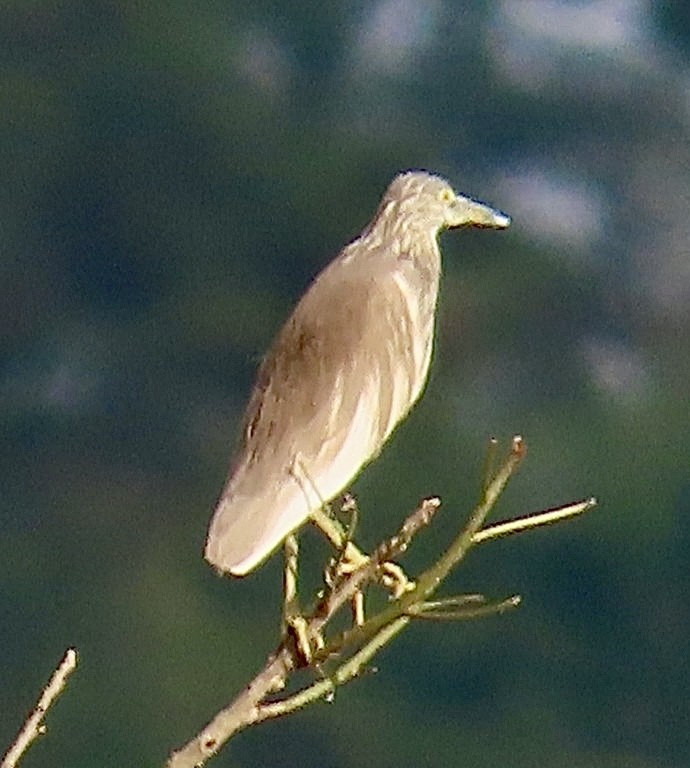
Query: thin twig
x=440 y=610
x=489 y=463
x=350 y=669
x=390 y=548
x=534 y=520
x=433 y=577
x=33 y=725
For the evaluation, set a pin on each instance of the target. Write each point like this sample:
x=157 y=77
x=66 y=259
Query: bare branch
x=346 y=656
x=250 y=706
x=34 y=725
x=433 y=577
x=532 y=521
x=242 y=712
x=460 y=608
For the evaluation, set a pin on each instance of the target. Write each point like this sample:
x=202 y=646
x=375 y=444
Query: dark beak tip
x=498 y=220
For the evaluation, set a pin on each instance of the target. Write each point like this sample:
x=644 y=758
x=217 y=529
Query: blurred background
x=172 y=175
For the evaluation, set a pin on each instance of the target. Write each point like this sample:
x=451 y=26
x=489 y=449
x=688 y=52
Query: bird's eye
x=447 y=196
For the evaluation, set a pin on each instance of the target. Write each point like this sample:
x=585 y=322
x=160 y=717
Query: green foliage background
x=171 y=177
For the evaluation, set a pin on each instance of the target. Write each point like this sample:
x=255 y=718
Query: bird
x=345 y=369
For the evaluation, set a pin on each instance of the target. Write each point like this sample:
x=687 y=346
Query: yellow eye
x=447 y=196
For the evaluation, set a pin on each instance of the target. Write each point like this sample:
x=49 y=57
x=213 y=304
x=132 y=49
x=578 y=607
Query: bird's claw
x=308 y=641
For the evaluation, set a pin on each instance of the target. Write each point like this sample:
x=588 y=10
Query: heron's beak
x=466 y=212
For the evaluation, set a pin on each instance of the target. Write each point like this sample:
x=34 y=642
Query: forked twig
x=349 y=653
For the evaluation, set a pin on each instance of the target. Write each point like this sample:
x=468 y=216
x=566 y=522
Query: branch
x=534 y=520
x=247 y=709
x=238 y=715
x=33 y=725
x=401 y=611
x=344 y=657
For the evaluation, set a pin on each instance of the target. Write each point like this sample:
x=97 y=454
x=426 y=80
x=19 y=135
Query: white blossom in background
x=393 y=31
x=616 y=369
x=264 y=61
x=533 y=41
x=560 y=212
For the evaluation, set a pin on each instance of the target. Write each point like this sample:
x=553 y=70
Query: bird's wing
x=339 y=377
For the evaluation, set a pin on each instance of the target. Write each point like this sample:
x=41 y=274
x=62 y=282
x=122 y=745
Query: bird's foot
x=394 y=578
x=390 y=575
x=308 y=641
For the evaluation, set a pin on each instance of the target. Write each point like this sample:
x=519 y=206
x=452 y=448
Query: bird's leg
x=349 y=506
x=325 y=520
x=290 y=599
x=307 y=642
x=392 y=576
x=351 y=558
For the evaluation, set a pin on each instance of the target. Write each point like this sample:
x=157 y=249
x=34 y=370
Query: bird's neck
x=406 y=239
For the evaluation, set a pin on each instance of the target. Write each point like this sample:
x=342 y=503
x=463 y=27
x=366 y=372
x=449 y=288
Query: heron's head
x=422 y=201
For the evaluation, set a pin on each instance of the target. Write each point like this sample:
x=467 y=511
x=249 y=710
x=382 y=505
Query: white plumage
x=348 y=365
